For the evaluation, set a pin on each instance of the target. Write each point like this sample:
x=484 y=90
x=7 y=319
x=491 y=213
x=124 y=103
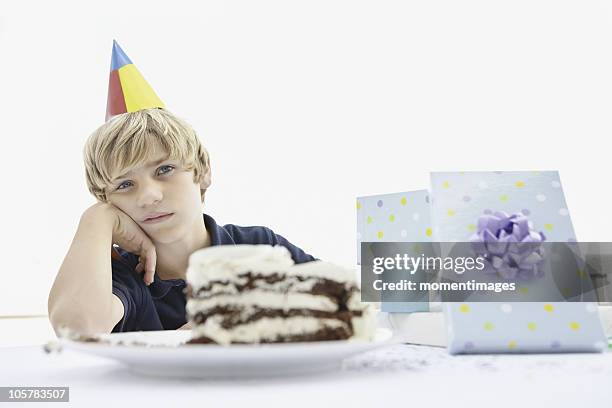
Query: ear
x=205 y=180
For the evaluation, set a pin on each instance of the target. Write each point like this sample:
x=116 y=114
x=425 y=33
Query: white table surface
x=399 y=375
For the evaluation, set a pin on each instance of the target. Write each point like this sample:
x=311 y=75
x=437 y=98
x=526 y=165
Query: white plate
x=160 y=356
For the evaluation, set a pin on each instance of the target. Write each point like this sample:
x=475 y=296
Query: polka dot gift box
x=395 y=217
x=458 y=200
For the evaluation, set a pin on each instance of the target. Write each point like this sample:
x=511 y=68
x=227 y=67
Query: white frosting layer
x=354 y=302
x=326 y=270
x=262 y=329
x=225 y=262
x=364 y=326
x=269 y=300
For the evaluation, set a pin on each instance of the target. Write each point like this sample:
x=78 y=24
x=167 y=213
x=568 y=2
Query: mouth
x=160 y=218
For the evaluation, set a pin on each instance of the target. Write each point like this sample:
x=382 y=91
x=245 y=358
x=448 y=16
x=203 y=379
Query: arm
x=81 y=297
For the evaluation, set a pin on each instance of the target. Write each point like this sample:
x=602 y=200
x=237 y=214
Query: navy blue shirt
x=161 y=305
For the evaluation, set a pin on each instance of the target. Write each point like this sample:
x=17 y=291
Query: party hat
x=128 y=91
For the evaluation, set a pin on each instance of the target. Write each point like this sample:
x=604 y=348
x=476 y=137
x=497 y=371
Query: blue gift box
x=396 y=217
x=458 y=199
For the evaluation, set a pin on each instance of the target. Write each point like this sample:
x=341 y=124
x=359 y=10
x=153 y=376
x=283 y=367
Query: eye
x=161 y=170
x=167 y=167
x=123 y=184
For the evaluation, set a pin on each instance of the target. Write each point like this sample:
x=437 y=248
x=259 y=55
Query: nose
x=150 y=193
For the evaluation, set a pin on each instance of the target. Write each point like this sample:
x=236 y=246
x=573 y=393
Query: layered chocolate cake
x=242 y=294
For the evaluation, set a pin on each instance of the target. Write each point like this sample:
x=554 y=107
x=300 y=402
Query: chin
x=166 y=235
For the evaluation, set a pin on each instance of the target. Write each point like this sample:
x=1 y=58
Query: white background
x=303 y=106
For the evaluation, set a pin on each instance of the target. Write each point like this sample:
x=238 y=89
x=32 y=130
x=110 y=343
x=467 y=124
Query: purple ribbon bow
x=509 y=245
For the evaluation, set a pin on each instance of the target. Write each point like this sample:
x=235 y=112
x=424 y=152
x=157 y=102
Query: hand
x=129 y=236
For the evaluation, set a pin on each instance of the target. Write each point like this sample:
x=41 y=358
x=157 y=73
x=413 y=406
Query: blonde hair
x=129 y=139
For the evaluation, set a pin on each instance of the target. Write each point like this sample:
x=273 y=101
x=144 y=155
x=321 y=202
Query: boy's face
x=160 y=185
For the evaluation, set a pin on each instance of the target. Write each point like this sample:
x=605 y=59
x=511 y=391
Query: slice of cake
x=255 y=294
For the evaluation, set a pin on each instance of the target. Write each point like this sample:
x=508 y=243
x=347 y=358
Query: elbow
x=69 y=324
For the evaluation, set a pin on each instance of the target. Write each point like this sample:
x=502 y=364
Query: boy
x=149 y=173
